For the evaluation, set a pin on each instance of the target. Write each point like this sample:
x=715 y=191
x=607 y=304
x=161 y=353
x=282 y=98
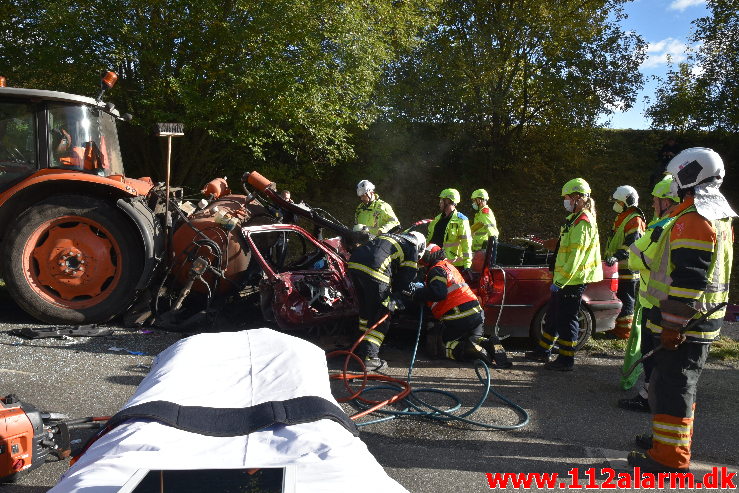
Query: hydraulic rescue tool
x=29 y=437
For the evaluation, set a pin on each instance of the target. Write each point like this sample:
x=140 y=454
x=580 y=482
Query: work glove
x=554 y=288
x=675 y=316
x=395 y=305
x=611 y=260
x=671 y=338
x=412 y=288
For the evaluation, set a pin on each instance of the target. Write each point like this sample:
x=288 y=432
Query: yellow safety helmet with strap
x=480 y=193
x=451 y=194
x=662 y=189
x=576 y=185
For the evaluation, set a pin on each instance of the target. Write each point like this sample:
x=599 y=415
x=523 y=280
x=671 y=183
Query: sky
x=666 y=26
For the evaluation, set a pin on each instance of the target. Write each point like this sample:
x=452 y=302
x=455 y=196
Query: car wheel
x=72 y=260
x=584 y=318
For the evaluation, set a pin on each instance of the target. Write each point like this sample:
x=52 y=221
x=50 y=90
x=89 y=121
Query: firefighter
x=628 y=227
x=456 y=308
x=381 y=269
x=577 y=263
x=689 y=280
x=372 y=212
x=451 y=230
x=663 y=201
x=483 y=226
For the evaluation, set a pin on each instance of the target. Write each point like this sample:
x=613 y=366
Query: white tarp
x=233 y=370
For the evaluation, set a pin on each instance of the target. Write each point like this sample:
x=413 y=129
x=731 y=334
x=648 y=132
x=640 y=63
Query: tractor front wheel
x=72 y=260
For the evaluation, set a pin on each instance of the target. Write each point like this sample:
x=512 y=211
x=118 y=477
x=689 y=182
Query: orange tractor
x=81 y=242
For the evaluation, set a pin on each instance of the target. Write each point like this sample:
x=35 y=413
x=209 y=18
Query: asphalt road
x=574 y=421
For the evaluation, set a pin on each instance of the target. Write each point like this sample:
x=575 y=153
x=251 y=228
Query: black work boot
x=643 y=441
x=368 y=352
x=538 y=356
x=647 y=464
x=497 y=352
x=560 y=364
x=374 y=363
x=636 y=403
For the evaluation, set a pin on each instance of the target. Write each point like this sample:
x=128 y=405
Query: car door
x=304 y=282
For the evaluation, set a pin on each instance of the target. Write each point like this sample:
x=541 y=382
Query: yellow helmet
x=480 y=193
x=451 y=194
x=662 y=189
x=576 y=185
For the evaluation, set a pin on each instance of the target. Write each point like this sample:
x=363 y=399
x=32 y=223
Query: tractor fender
x=151 y=232
x=18 y=198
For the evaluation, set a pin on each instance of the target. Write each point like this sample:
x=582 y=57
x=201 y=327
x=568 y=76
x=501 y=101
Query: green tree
x=282 y=79
x=501 y=70
x=703 y=94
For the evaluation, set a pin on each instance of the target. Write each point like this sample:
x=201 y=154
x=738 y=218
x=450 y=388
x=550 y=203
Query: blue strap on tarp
x=229 y=422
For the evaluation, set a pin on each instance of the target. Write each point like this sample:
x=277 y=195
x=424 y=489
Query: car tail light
x=614 y=282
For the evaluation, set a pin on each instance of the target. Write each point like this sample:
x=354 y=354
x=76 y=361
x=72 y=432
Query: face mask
x=617 y=207
x=475 y=206
x=569 y=206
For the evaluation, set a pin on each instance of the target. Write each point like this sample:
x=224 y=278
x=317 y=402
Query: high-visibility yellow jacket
x=483 y=227
x=377 y=215
x=627 y=227
x=457 y=239
x=641 y=256
x=692 y=264
x=578 y=253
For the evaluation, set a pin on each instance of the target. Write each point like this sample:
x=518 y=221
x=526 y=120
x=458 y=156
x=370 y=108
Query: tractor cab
x=49 y=130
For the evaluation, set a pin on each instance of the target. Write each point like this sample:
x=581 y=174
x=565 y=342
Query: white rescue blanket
x=233 y=370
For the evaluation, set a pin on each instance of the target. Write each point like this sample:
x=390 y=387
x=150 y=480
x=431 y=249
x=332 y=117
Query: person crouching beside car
x=456 y=310
x=577 y=263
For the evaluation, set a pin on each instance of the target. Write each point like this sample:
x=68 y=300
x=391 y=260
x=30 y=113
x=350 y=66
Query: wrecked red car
x=305 y=282
x=514 y=291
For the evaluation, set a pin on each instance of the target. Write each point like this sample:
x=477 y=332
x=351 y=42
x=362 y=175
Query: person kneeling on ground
x=455 y=307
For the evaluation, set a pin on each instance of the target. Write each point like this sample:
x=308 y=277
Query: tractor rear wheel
x=72 y=260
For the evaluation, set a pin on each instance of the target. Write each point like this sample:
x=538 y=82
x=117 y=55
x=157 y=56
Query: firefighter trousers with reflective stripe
x=371 y=295
x=471 y=325
x=627 y=295
x=561 y=324
x=647 y=342
x=672 y=389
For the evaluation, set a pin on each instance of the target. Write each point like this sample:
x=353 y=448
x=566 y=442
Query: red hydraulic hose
x=405 y=386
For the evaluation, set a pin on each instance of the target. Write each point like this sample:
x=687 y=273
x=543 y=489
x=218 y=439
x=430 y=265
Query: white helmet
x=626 y=194
x=364 y=186
x=420 y=242
x=694 y=166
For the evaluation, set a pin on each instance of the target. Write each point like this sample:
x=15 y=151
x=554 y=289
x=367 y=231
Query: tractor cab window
x=17 y=142
x=83 y=138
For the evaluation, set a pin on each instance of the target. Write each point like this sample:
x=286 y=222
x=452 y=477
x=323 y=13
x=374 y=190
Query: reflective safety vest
x=626 y=224
x=457 y=293
x=378 y=216
x=385 y=256
x=661 y=284
x=578 y=254
x=641 y=256
x=457 y=239
x=483 y=227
